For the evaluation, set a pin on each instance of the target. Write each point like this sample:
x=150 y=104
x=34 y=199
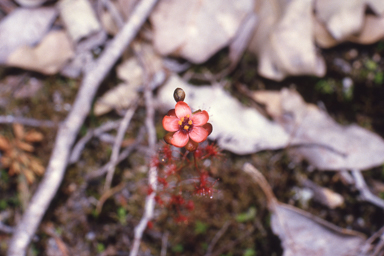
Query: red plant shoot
x=177 y=184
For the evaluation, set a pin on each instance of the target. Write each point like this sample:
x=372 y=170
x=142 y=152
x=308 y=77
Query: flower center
x=185 y=124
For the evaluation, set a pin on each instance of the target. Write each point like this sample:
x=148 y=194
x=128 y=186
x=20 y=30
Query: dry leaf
x=318 y=138
x=48 y=57
x=121 y=96
x=196 y=30
x=302 y=233
x=236 y=128
x=4 y=143
x=24 y=27
x=33 y=136
x=242 y=38
x=132 y=74
x=323 y=195
x=342 y=18
x=30 y=3
x=18 y=129
x=24 y=146
x=79 y=18
x=371 y=32
x=283 y=40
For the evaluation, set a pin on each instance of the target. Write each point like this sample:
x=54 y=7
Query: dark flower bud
x=179 y=95
x=191 y=145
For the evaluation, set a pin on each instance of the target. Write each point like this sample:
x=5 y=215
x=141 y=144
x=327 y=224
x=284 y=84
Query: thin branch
x=365 y=193
x=68 y=131
x=78 y=148
x=27 y=121
x=116 y=146
x=164 y=242
x=6 y=229
x=152 y=174
x=108 y=194
x=123 y=155
x=216 y=238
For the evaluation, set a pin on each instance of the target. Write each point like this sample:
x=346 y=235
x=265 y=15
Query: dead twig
x=108 y=194
x=216 y=238
x=27 y=121
x=78 y=148
x=116 y=146
x=164 y=242
x=152 y=173
x=365 y=193
x=67 y=132
x=123 y=155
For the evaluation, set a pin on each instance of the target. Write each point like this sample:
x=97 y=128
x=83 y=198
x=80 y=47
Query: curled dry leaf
x=48 y=57
x=30 y=3
x=371 y=31
x=283 y=40
x=342 y=18
x=302 y=233
x=196 y=30
x=323 y=195
x=318 y=138
x=24 y=27
x=121 y=96
x=130 y=71
x=79 y=18
x=33 y=136
x=236 y=128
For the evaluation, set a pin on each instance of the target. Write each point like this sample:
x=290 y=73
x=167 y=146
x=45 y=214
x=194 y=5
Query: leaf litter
x=306 y=130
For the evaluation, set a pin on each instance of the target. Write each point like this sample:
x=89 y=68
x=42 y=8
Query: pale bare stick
x=78 y=148
x=164 y=242
x=67 y=132
x=216 y=238
x=27 y=121
x=123 y=155
x=365 y=193
x=116 y=146
x=152 y=173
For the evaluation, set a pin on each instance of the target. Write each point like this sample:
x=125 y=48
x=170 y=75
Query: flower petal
x=191 y=145
x=179 y=139
x=168 y=137
x=208 y=127
x=198 y=134
x=200 y=118
x=182 y=109
x=171 y=112
x=170 y=123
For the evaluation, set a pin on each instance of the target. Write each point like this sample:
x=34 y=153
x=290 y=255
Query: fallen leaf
x=121 y=96
x=283 y=40
x=132 y=74
x=196 y=30
x=342 y=18
x=79 y=18
x=239 y=129
x=315 y=136
x=33 y=136
x=48 y=57
x=325 y=196
x=302 y=233
x=242 y=39
x=30 y=3
x=371 y=32
x=24 y=27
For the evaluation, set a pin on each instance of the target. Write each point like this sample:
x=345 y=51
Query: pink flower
x=186 y=129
